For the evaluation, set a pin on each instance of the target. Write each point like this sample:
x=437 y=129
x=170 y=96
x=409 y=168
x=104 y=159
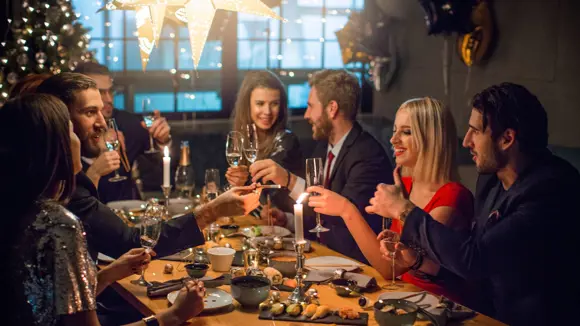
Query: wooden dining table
x=137 y=295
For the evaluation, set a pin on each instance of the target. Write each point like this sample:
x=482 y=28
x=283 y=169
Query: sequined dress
x=59 y=276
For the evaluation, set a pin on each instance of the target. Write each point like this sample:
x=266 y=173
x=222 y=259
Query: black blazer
x=520 y=242
x=108 y=234
x=360 y=166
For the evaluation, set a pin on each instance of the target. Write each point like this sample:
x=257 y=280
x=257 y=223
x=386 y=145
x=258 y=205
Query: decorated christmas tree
x=46 y=39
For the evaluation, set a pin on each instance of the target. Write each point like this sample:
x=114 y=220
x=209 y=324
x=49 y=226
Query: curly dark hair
x=512 y=106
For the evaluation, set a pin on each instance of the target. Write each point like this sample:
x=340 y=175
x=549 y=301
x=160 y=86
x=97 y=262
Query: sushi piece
x=310 y=310
x=348 y=313
x=273 y=275
x=277 y=308
x=294 y=309
x=321 y=312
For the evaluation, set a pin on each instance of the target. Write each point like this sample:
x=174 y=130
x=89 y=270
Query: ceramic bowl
x=229 y=229
x=196 y=270
x=392 y=319
x=250 y=291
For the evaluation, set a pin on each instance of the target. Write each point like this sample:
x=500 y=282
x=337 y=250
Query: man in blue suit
x=525 y=217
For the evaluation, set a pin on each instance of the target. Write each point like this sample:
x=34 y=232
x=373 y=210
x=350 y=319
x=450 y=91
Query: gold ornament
x=199 y=14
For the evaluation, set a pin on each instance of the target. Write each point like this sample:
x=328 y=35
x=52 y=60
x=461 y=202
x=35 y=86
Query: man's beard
x=89 y=150
x=323 y=129
x=492 y=162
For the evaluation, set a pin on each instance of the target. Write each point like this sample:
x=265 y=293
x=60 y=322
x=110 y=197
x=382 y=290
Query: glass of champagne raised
x=234 y=149
x=149 y=118
x=150 y=226
x=390 y=240
x=251 y=143
x=315 y=177
x=113 y=144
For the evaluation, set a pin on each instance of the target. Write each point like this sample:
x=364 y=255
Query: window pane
x=88 y=9
x=332 y=55
x=211 y=57
x=119 y=101
x=114 y=55
x=333 y=24
x=159 y=101
x=161 y=58
x=116 y=21
x=303 y=26
x=298 y=95
x=198 y=101
x=311 y=3
x=253 y=26
x=97 y=46
x=252 y=54
x=302 y=55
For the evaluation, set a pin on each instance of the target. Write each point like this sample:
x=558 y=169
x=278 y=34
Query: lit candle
x=166 y=164
x=298 y=218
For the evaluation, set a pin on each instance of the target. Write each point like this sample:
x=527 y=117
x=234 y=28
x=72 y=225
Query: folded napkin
x=160 y=289
x=363 y=281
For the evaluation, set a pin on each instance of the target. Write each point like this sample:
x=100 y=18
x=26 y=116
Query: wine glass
x=148 y=118
x=314 y=177
x=113 y=144
x=149 y=229
x=212 y=183
x=234 y=148
x=390 y=240
x=251 y=143
x=184 y=176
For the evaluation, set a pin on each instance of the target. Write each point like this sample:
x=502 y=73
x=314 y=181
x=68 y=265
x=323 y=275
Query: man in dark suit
x=525 y=217
x=135 y=136
x=354 y=161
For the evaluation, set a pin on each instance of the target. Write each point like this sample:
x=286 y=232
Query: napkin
x=363 y=281
x=160 y=289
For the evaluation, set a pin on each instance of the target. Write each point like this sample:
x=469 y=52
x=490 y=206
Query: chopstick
x=332 y=265
x=269 y=186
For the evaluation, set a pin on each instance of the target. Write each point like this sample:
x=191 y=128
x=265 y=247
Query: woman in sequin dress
x=50 y=278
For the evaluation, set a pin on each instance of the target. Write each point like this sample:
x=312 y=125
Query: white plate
x=104 y=258
x=331 y=263
x=131 y=205
x=214 y=299
x=180 y=205
x=429 y=302
x=266 y=231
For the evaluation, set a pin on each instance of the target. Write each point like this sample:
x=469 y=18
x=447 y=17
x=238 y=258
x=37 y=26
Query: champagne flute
x=314 y=177
x=212 y=183
x=251 y=143
x=234 y=148
x=390 y=240
x=150 y=230
x=113 y=144
x=148 y=118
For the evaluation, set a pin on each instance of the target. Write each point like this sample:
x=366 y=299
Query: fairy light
x=173 y=71
x=172 y=35
x=115 y=59
x=219 y=65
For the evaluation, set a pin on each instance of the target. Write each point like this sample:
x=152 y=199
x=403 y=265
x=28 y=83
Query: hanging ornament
x=22 y=59
x=41 y=57
x=62 y=50
x=199 y=14
x=55 y=69
x=40 y=66
x=67 y=29
x=12 y=78
x=72 y=64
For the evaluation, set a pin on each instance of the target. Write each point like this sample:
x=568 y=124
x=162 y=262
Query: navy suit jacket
x=520 y=243
x=359 y=167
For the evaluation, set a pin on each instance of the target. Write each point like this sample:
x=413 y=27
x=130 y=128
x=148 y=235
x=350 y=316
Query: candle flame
x=166 y=152
x=301 y=198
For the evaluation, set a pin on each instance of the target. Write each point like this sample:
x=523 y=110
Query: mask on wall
x=448 y=16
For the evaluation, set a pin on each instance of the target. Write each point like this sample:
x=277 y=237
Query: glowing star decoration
x=198 y=14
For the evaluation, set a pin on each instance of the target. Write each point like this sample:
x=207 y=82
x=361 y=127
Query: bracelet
x=418 y=262
x=151 y=321
x=288 y=182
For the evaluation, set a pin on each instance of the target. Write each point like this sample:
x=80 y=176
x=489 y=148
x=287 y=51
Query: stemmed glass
x=212 y=183
x=149 y=230
x=234 y=148
x=113 y=144
x=251 y=143
x=148 y=118
x=315 y=177
x=390 y=239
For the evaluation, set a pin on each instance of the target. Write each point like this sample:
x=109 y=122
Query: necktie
x=327 y=177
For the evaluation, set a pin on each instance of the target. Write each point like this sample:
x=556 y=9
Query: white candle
x=166 y=165
x=299 y=218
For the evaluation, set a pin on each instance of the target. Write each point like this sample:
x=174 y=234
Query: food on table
x=388 y=308
x=265 y=305
x=321 y=312
x=310 y=310
x=290 y=282
x=168 y=269
x=294 y=309
x=273 y=275
x=257 y=230
x=237 y=272
x=401 y=311
x=348 y=313
x=277 y=308
x=275 y=296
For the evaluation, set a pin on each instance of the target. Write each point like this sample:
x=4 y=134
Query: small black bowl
x=346 y=288
x=228 y=229
x=196 y=270
x=392 y=319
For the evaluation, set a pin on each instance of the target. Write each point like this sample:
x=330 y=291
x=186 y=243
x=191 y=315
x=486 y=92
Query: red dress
x=452 y=194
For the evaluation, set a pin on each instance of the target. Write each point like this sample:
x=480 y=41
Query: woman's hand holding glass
x=132 y=262
x=238 y=175
x=328 y=202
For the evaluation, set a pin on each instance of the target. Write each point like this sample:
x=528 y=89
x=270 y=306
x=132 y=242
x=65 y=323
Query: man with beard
x=355 y=162
x=135 y=142
x=525 y=217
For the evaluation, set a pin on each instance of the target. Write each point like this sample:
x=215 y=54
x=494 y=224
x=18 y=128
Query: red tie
x=327 y=178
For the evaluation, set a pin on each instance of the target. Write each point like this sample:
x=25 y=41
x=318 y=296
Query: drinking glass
x=212 y=183
x=113 y=144
x=234 y=148
x=148 y=118
x=149 y=230
x=315 y=177
x=391 y=239
x=251 y=143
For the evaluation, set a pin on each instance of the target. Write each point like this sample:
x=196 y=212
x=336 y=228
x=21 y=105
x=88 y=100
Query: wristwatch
x=151 y=321
x=408 y=208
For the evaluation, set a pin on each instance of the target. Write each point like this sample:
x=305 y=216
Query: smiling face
x=404 y=147
x=485 y=151
x=88 y=121
x=264 y=107
x=317 y=116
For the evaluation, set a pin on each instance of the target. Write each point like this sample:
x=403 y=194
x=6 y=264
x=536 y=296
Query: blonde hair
x=242 y=115
x=340 y=86
x=435 y=137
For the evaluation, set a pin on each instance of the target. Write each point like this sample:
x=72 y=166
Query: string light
x=173 y=71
